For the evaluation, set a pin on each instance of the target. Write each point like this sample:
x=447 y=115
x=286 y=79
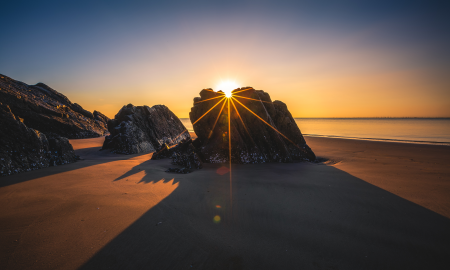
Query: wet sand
x=370 y=205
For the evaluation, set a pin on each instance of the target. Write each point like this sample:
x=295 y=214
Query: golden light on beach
x=227 y=87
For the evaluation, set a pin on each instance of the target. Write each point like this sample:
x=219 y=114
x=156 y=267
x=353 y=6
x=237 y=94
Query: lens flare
x=216 y=219
x=227 y=87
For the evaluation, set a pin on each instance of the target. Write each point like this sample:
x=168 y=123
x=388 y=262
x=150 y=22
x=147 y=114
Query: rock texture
x=252 y=140
x=184 y=155
x=25 y=149
x=141 y=129
x=49 y=111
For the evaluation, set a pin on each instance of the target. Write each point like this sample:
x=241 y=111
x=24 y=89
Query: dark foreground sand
x=373 y=205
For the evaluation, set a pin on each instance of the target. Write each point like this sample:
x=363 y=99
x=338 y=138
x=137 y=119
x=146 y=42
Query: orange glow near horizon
x=339 y=84
x=336 y=83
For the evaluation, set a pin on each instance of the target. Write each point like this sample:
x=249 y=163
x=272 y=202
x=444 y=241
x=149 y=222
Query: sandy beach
x=369 y=205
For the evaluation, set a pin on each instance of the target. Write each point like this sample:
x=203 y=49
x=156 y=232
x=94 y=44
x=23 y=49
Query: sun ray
x=208 y=111
x=242 y=121
x=229 y=151
x=162 y=149
x=242 y=90
x=179 y=135
x=174 y=140
x=217 y=119
x=267 y=123
x=251 y=98
x=208 y=99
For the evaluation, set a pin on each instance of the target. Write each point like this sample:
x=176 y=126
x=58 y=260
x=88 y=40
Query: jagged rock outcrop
x=25 y=149
x=141 y=129
x=100 y=117
x=184 y=154
x=253 y=140
x=49 y=111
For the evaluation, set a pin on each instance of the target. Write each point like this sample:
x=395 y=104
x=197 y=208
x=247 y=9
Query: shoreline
x=193 y=135
x=378 y=139
x=433 y=131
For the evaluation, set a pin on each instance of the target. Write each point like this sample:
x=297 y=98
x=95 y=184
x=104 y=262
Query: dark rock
x=77 y=108
x=100 y=117
x=190 y=161
x=162 y=152
x=44 y=109
x=143 y=129
x=184 y=154
x=253 y=140
x=25 y=149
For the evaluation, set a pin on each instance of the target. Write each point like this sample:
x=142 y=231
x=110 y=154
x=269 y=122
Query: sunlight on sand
x=85 y=201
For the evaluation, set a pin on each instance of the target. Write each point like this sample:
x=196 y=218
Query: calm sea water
x=411 y=130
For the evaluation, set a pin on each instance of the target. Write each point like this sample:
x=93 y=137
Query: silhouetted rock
x=164 y=151
x=187 y=160
x=100 y=117
x=48 y=111
x=141 y=129
x=25 y=149
x=252 y=139
x=184 y=154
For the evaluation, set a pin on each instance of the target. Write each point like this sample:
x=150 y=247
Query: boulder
x=25 y=149
x=143 y=129
x=185 y=154
x=44 y=109
x=260 y=130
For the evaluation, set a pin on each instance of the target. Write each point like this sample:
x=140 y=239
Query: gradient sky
x=322 y=58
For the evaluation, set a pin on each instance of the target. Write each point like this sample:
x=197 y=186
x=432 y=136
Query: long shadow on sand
x=152 y=173
x=89 y=157
x=282 y=216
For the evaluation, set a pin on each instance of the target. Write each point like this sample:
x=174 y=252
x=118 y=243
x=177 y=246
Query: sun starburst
x=228 y=98
x=227 y=87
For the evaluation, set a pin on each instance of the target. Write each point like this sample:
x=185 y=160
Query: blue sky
x=104 y=54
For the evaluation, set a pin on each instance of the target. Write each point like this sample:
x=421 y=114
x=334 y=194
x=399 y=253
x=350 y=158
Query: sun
x=227 y=87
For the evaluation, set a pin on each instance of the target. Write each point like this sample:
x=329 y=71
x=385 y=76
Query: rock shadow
x=282 y=216
x=89 y=157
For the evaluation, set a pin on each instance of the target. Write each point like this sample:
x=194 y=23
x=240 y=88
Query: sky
x=321 y=58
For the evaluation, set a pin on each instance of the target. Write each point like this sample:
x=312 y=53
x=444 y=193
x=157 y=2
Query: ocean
x=408 y=130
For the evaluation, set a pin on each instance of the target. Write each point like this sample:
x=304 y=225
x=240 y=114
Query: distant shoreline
x=430 y=131
x=378 y=139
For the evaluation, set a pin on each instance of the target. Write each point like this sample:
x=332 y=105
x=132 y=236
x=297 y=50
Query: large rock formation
x=264 y=131
x=25 y=149
x=141 y=129
x=48 y=111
